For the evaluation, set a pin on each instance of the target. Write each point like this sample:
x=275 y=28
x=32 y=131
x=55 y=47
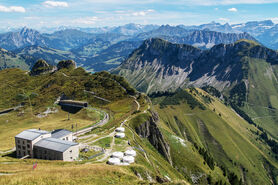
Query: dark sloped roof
x=31 y=134
x=55 y=144
x=59 y=133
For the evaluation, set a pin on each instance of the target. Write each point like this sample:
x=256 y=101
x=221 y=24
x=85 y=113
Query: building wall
x=71 y=154
x=67 y=137
x=43 y=153
x=25 y=147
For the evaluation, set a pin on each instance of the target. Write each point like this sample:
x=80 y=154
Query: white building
x=42 y=144
x=25 y=141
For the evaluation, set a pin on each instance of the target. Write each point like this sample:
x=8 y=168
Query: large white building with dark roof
x=41 y=144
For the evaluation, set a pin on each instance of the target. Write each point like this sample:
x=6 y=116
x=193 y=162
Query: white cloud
x=143 y=13
x=55 y=4
x=223 y=19
x=232 y=10
x=19 y=9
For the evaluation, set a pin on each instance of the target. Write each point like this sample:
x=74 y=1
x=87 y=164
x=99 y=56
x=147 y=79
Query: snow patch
x=180 y=140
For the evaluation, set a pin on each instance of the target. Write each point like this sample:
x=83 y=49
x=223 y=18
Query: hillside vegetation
x=222 y=138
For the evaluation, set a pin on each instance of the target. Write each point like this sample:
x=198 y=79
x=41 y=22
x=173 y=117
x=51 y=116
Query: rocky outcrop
x=41 y=67
x=68 y=64
x=150 y=130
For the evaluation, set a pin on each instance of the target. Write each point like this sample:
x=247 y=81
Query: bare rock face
x=150 y=130
x=68 y=64
x=41 y=67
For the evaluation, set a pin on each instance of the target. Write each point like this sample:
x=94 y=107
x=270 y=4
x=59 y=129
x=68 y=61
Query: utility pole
x=68 y=116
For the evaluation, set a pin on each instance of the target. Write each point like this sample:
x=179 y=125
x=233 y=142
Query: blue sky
x=97 y=13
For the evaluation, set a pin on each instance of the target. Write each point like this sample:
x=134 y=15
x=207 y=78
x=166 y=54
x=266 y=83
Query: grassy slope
x=10 y=60
x=40 y=92
x=262 y=95
x=227 y=138
x=85 y=172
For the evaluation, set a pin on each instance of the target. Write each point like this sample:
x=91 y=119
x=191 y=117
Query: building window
x=23 y=147
x=70 y=151
x=28 y=146
x=29 y=153
x=24 y=153
x=23 y=142
x=29 y=142
x=18 y=141
x=18 y=146
x=45 y=152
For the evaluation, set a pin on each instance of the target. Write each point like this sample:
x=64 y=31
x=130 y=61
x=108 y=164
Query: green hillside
x=12 y=60
x=261 y=102
x=229 y=140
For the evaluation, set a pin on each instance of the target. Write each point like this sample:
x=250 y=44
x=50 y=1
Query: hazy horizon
x=95 y=13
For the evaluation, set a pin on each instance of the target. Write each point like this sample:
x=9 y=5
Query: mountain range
x=103 y=51
x=245 y=72
x=96 y=48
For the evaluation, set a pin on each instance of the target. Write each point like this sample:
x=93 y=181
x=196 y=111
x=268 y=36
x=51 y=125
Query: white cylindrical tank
x=120 y=129
x=117 y=155
x=114 y=161
x=120 y=135
x=128 y=159
x=130 y=153
x=125 y=164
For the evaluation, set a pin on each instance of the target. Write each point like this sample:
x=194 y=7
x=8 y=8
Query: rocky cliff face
x=150 y=130
x=159 y=65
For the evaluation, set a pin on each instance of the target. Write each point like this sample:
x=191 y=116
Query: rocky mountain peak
x=68 y=64
x=41 y=67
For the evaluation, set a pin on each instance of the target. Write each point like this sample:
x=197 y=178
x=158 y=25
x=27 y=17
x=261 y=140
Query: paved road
x=100 y=123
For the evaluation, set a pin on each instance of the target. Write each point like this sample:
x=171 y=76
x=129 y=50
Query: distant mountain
x=164 y=30
x=11 y=60
x=112 y=56
x=63 y=40
x=24 y=37
x=52 y=56
x=207 y=39
x=203 y=39
x=213 y=26
x=67 y=39
x=133 y=29
x=255 y=28
x=265 y=32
